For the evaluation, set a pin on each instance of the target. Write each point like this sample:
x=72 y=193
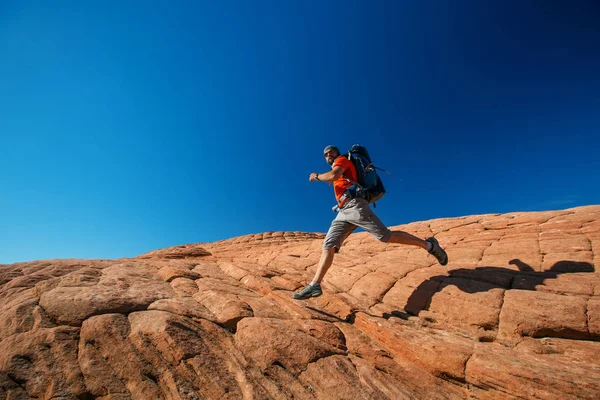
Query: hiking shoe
x=437 y=251
x=308 y=292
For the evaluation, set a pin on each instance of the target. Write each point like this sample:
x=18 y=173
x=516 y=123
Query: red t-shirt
x=341 y=184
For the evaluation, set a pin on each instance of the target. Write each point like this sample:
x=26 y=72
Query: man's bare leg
x=400 y=237
x=324 y=264
x=314 y=288
x=431 y=244
x=396 y=237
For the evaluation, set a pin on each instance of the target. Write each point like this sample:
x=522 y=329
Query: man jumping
x=354 y=213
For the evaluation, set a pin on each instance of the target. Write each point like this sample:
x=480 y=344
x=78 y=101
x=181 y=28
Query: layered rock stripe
x=514 y=314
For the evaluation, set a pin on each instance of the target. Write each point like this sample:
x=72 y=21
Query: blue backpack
x=369 y=185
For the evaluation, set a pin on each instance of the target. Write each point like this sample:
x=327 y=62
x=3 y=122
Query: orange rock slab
x=514 y=314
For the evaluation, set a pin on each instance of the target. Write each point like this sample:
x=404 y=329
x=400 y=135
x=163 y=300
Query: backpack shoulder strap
x=349 y=157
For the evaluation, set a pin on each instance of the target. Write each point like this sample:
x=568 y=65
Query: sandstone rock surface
x=515 y=314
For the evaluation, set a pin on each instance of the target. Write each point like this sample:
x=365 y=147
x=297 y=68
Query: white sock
x=429 y=246
x=313 y=283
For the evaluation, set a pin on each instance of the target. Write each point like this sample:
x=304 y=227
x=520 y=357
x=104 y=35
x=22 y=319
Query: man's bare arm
x=330 y=176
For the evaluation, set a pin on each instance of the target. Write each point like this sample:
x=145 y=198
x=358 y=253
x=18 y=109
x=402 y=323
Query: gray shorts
x=356 y=213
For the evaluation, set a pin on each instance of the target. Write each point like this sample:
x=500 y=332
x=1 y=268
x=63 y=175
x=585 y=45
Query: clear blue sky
x=127 y=126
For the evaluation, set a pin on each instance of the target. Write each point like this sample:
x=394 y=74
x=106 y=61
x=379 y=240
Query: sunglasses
x=332 y=152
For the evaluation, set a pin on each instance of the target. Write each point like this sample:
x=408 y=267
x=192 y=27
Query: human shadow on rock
x=482 y=279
